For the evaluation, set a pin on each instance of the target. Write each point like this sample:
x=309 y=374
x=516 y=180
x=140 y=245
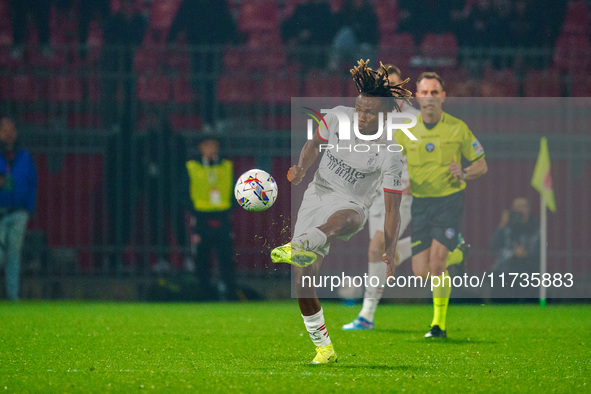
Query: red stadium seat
x=319 y=84
x=147 y=60
x=499 y=83
x=387 y=13
x=82 y=120
x=440 y=46
x=576 y=20
x=162 y=15
x=178 y=60
x=24 y=88
x=397 y=49
x=572 y=54
x=290 y=6
x=265 y=59
x=279 y=90
x=237 y=89
x=257 y=15
x=182 y=92
x=155 y=89
x=64 y=89
x=185 y=122
x=546 y=83
x=581 y=86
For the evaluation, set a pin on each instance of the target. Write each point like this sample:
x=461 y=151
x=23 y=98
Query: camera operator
x=517 y=240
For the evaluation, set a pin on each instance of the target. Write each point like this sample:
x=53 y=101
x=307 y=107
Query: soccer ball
x=255 y=190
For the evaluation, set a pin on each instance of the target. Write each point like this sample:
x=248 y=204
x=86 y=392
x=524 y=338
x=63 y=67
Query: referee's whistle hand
x=455 y=169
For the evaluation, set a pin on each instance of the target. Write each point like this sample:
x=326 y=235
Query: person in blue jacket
x=18 y=191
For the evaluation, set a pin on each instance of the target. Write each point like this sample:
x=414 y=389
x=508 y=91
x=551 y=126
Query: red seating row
x=69 y=89
x=275 y=89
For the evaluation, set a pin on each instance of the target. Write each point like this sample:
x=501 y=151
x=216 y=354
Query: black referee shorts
x=437 y=218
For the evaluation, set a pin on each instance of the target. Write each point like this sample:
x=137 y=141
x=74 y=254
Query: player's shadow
x=377 y=367
x=453 y=341
x=397 y=331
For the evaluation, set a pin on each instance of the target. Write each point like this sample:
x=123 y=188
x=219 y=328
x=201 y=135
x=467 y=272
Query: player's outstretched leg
x=300 y=251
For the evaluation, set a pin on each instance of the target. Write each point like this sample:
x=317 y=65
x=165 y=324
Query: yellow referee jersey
x=429 y=157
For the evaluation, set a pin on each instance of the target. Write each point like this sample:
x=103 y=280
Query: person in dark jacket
x=18 y=192
x=163 y=182
x=308 y=32
x=357 y=34
x=123 y=33
x=517 y=239
x=208 y=25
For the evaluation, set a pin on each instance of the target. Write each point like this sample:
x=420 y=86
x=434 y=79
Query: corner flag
x=542 y=178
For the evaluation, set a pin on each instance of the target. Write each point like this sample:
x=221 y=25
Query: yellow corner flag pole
x=542 y=182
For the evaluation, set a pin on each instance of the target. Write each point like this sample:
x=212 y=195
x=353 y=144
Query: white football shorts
x=318 y=205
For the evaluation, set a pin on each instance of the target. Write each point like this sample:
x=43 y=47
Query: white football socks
x=311 y=239
x=317 y=328
x=373 y=294
x=404 y=250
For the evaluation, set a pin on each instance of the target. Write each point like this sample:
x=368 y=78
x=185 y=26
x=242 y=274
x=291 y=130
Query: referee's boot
x=436 y=332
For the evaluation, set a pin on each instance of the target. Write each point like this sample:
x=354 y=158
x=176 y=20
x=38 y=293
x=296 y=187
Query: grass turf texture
x=97 y=347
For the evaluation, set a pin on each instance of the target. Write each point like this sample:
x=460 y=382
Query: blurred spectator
x=517 y=240
x=87 y=10
x=307 y=32
x=479 y=27
x=415 y=16
x=163 y=182
x=357 y=34
x=550 y=14
x=121 y=190
x=123 y=32
x=523 y=28
x=18 y=192
x=502 y=12
x=39 y=11
x=208 y=25
x=211 y=192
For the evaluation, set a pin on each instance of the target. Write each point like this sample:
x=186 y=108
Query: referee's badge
x=449 y=233
x=478 y=149
x=430 y=147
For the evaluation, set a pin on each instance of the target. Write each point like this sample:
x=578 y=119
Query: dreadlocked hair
x=370 y=82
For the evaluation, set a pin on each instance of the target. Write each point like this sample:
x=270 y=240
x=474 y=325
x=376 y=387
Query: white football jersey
x=407 y=109
x=357 y=174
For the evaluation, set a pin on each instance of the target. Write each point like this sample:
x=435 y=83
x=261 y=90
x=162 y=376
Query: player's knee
x=437 y=263
x=350 y=224
x=423 y=272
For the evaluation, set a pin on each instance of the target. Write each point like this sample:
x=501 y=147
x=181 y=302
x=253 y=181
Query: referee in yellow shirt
x=437 y=182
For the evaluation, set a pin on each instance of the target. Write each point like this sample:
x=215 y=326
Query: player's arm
x=473 y=171
x=473 y=151
x=391 y=226
x=308 y=156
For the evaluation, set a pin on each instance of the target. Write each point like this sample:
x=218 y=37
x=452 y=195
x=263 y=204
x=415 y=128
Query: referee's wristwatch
x=464 y=174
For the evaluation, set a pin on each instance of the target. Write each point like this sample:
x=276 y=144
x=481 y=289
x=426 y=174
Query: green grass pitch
x=98 y=347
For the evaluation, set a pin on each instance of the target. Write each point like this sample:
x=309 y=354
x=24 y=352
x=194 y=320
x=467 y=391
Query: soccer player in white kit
x=376 y=267
x=336 y=203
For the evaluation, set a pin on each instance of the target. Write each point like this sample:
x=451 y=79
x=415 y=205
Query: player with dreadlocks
x=337 y=201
